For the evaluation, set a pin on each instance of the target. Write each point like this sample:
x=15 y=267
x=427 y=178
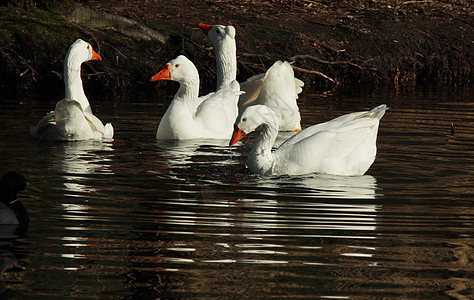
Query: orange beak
x=237 y=135
x=162 y=75
x=205 y=28
x=95 y=56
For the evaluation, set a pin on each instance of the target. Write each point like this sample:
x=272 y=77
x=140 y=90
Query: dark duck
x=12 y=211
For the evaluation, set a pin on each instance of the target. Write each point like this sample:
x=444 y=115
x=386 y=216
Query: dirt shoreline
x=359 y=46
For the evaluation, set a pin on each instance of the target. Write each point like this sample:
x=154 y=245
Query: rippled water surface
x=142 y=220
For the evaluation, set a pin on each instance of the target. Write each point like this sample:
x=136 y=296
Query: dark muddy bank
x=359 y=46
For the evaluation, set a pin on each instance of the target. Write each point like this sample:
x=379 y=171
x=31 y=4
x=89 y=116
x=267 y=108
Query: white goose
x=190 y=116
x=72 y=118
x=277 y=88
x=343 y=146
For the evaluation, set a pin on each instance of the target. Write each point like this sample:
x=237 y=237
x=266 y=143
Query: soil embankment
x=341 y=46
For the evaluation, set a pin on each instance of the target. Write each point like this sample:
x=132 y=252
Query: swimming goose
x=343 y=146
x=12 y=211
x=72 y=118
x=190 y=116
x=277 y=88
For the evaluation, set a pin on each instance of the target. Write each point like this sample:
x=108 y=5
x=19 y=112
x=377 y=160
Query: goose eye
x=177 y=65
x=244 y=119
x=88 y=47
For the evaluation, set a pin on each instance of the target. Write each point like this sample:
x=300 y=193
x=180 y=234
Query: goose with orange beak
x=72 y=118
x=343 y=146
x=190 y=116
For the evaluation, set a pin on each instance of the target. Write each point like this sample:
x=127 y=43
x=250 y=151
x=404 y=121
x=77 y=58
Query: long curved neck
x=261 y=154
x=188 y=89
x=73 y=84
x=226 y=62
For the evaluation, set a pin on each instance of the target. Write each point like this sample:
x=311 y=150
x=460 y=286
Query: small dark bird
x=12 y=211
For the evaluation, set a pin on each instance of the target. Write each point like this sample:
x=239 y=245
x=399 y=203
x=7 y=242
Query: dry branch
x=314 y=72
x=322 y=61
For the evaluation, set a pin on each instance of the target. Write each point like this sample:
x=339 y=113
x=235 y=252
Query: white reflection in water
x=178 y=153
x=73 y=255
x=266 y=200
x=323 y=186
x=74 y=241
x=263 y=209
x=78 y=159
x=77 y=162
x=298 y=204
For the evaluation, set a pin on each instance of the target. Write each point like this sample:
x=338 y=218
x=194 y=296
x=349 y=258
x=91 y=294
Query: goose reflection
x=76 y=161
x=207 y=192
x=78 y=165
x=321 y=186
x=196 y=154
x=320 y=202
x=292 y=202
x=260 y=220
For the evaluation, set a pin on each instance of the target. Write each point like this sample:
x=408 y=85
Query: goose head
x=218 y=34
x=180 y=69
x=251 y=118
x=79 y=52
x=223 y=40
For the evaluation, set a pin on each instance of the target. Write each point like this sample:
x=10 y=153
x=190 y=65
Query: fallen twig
x=322 y=61
x=314 y=72
x=24 y=72
x=416 y=2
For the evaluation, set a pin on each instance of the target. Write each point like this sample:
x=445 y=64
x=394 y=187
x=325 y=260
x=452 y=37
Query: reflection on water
x=137 y=219
x=79 y=160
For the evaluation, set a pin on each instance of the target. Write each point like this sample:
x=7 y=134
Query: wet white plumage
x=343 y=146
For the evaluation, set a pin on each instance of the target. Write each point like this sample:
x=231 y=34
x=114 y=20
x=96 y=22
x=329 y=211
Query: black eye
x=88 y=47
x=177 y=65
x=244 y=119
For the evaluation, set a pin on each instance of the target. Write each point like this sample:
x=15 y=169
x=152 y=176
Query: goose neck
x=261 y=159
x=73 y=84
x=226 y=64
x=188 y=89
x=267 y=137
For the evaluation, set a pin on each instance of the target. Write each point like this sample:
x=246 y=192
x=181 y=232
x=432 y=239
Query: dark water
x=134 y=219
